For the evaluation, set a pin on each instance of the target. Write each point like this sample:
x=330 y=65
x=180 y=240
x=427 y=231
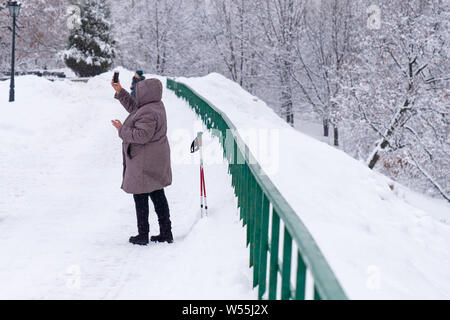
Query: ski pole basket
x=262 y=205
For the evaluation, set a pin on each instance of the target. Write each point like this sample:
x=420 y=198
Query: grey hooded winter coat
x=145 y=147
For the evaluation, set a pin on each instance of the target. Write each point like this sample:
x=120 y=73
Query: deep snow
x=65 y=222
x=381 y=243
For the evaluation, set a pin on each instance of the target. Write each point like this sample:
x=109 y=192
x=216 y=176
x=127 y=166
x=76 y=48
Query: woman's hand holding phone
x=115 y=83
x=116 y=86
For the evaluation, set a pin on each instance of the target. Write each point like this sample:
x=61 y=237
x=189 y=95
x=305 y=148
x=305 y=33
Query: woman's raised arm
x=124 y=97
x=126 y=100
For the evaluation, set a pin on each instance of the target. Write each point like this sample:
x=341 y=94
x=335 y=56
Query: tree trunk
x=376 y=154
x=242 y=57
x=325 y=127
x=286 y=93
x=253 y=73
x=397 y=122
x=336 y=136
x=290 y=119
x=286 y=107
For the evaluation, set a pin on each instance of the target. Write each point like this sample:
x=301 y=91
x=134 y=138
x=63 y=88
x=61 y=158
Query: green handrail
x=255 y=193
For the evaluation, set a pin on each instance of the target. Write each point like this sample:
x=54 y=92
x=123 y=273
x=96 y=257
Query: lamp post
x=14 y=10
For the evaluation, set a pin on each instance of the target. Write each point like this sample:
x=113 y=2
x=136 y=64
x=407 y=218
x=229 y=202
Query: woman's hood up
x=148 y=91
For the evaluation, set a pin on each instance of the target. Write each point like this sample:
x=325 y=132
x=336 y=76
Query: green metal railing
x=259 y=200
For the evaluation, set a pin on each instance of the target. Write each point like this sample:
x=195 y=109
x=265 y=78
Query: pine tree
x=91 y=46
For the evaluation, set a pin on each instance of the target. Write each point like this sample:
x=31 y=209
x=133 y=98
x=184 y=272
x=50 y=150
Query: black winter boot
x=162 y=210
x=164 y=236
x=141 y=239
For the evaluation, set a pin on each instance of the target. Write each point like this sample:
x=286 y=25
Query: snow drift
x=381 y=239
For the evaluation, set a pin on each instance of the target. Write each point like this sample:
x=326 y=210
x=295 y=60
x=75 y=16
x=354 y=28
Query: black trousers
x=161 y=207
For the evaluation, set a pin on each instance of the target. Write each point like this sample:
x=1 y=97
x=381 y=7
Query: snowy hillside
x=381 y=243
x=65 y=222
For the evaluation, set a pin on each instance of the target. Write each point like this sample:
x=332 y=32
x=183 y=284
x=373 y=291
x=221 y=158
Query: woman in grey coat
x=146 y=156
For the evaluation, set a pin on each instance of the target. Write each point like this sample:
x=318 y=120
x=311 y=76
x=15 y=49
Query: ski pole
x=201 y=191
x=202 y=178
x=204 y=205
x=197 y=146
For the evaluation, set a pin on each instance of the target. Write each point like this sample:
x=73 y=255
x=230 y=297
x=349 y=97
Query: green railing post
x=286 y=272
x=274 y=256
x=235 y=168
x=257 y=237
x=240 y=178
x=248 y=213
x=251 y=225
x=245 y=196
x=264 y=247
x=301 y=279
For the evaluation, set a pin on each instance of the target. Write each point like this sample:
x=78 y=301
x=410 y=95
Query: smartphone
x=116 y=76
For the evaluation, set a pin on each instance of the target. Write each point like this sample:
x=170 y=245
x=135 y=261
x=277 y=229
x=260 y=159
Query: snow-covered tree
x=280 y=23
x=151 y=33
x=399 y=87
x=3 y=39
x=41 y=34
x=322 y=52
x=91 y=46
x=231 y=25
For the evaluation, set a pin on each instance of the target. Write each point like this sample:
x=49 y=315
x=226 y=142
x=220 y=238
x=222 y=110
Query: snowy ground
x=65 y=222
x=381 y=243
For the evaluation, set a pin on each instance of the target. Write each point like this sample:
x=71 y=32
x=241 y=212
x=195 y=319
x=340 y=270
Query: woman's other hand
x=116 y=86
x=117 y=124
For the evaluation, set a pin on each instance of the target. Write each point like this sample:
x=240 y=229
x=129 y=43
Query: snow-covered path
x=65 y=222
